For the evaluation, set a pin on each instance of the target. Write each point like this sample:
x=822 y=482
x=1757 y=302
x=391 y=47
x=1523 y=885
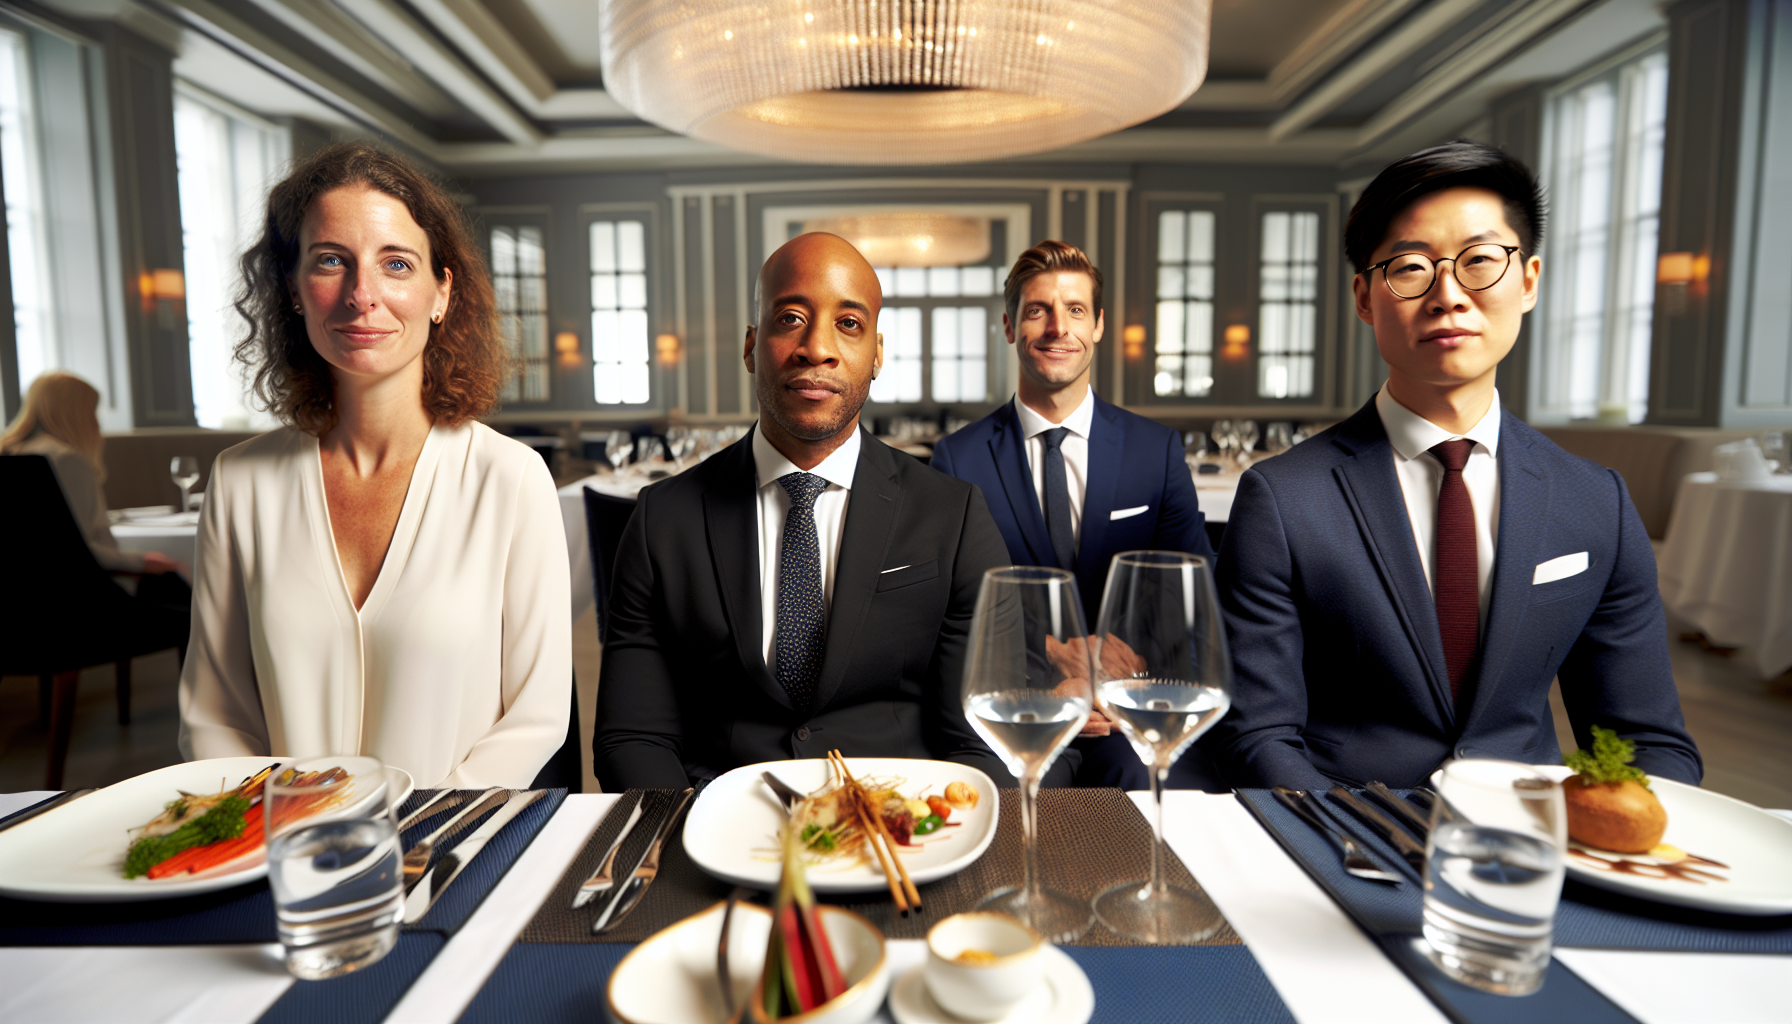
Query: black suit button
x=802 y=732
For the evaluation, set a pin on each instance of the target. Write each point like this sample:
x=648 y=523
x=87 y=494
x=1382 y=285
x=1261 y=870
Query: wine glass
x=619 y=448
x=1247 y=440
x=1026 y=692
x=1164 y=678
x=184 y=471
x=1225 y=437
x=1278 y=438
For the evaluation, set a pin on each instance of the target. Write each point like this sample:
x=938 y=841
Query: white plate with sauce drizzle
x=1754 y=849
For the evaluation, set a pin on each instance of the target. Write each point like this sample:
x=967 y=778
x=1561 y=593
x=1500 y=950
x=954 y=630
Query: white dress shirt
x=1075 y=448
x=774 y=503
x=1422 y=477
x=458 y=666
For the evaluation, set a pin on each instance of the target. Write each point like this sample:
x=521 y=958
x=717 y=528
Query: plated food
x=733 y=824
x=79 y=851
x=1609 y=802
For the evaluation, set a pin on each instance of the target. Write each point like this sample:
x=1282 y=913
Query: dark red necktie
x=1456 y=575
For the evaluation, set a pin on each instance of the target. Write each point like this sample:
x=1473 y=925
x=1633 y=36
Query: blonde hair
x=64 y=407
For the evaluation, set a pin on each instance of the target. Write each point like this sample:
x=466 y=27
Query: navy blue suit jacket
x=1133 y=462
x=1335 y=644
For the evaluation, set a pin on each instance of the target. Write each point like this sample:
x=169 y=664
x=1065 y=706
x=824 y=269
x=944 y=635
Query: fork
x=416 y=859
x=1356 y=862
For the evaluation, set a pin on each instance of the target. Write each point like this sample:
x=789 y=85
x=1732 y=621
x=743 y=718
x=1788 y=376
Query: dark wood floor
x=1743 y=725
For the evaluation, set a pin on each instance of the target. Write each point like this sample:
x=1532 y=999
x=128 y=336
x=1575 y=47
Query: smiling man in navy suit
x=1400 y=589
x=1069 y=478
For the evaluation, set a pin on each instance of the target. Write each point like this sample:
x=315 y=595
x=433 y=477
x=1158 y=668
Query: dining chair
x=62 y=611
x=605 y=519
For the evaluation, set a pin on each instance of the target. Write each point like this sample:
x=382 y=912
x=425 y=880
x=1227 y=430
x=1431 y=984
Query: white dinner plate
x=75 y=853
x=733 y=826
x=1756 y=846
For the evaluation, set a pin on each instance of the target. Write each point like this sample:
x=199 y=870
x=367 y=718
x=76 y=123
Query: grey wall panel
x=693 y=389
x=730 y=288
x=1073 y=218
x=1758 y=386
x=1518 y=129
x=1110 y=354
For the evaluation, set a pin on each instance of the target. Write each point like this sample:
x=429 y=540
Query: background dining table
x=1726 y=565
x=1322 y=966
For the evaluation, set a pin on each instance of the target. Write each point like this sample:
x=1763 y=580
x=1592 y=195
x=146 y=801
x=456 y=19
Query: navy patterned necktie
x=1057 y=499
x=802 y=603
x=1456 y=570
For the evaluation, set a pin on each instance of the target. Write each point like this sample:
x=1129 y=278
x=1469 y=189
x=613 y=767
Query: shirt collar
x=1032 y=424
x=836 y=469
x=1413 y=435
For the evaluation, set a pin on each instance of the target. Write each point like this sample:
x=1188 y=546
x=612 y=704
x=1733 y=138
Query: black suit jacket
x=1338 y=659
x=686 y=694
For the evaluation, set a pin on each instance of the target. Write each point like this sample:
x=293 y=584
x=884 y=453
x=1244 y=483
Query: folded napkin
x=143 y=985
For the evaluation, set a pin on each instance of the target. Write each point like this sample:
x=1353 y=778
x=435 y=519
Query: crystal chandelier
x=901 y=81
x=911 y=239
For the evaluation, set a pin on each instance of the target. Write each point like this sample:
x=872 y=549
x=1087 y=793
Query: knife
x=602 y=880
x=1403 y=809
x=42 y=806
x=1404 y=844
x=643 y=874
x=456 y=860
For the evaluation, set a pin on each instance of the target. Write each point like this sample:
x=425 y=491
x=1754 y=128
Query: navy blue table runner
x=1390 y=914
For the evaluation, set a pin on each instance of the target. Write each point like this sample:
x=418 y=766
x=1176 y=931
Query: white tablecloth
x=173 y=535
x=1726 y=566
x=1323 y=967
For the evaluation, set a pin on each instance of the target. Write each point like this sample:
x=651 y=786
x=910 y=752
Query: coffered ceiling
x=500 y=86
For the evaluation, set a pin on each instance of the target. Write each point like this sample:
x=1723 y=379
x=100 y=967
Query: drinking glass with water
x=334 y=864
x=1164 y=677
x=1026 y=692
x=1493 y=874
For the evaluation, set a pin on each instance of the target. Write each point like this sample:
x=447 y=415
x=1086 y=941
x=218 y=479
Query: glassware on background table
x=1278 y=438
x=1164 y=677
x=1776 y=446
x=1026 y=692
x=1225 y=437
x=333 y=864
x=184 y=471
x=1247 y=440
x=1493 y=874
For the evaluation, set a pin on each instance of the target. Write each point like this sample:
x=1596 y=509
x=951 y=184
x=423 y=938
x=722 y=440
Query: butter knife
x=456 y=860
x=603 y=879
x=643 y=874
x=1403 y=844
x=42 y=806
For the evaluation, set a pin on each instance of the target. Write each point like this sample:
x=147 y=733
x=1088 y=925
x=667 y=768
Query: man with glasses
x=1401 y=589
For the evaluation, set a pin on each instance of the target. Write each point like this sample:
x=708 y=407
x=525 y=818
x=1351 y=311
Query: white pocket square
x=1560 y=568
x=1126 y=513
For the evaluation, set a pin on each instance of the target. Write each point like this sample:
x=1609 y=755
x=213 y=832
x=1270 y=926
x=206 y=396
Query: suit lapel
x=731 y=521
x=1524 y=513
x=1106 y=448
x=870 y=516
x=1372 y=489
x=1017 y=483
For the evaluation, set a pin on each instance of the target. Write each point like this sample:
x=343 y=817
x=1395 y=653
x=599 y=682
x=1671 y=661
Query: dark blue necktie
x=802 y=603
x=1057 y=499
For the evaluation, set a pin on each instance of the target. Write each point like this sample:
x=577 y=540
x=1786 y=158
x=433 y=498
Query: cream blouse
x=458 y=666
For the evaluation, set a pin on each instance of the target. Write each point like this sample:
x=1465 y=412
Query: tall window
x=1604 y=174
x=520 y=281
x=226 y=161
x=1184 y=303
x=21 y=164
x=936 y=324
x=619 y=350
x=1288 y=304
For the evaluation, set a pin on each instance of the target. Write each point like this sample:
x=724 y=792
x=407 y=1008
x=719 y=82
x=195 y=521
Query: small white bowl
x=671 y=977
x=991 y=987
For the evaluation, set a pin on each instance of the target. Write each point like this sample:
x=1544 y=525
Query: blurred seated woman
x=60 y=421
x=385 y=575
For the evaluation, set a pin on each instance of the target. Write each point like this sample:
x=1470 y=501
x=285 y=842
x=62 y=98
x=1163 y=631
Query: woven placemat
x=1090 y=839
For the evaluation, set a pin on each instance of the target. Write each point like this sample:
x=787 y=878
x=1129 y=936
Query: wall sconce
x=566 y=343
x=1678 y=272
x=159 y=289
x=669 y=349
x=1134 y=337
x=1238 y=341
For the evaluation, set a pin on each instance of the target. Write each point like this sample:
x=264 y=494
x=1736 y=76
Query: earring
x=436 y=319
x=296 y=308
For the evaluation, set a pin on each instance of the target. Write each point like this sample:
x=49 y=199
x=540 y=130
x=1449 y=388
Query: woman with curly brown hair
x=385 y=575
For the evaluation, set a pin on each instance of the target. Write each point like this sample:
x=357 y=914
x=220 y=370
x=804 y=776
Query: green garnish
x=1609 y=760
x=931 y=823
x=223 y=821
x=818 y=839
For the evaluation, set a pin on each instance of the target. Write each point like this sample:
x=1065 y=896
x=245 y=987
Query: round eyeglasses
x=1477 y=268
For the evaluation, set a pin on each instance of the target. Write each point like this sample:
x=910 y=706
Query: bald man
x=806 y=589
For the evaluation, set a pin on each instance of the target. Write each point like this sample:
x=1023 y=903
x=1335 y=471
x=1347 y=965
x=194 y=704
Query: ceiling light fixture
x=912 y=239
x=901 y=81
